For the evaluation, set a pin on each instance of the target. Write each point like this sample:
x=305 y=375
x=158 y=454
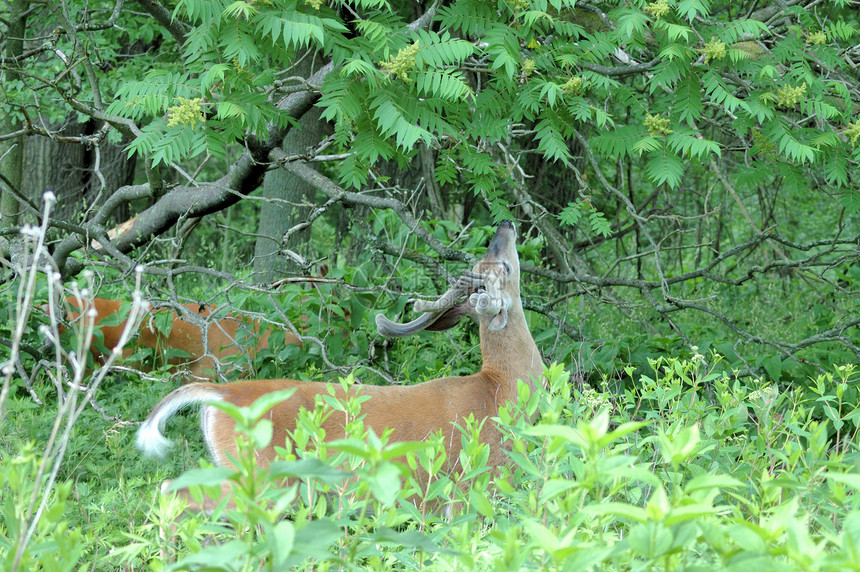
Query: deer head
x=486 y=293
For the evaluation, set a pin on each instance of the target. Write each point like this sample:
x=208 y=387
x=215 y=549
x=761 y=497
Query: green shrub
x=690 y=471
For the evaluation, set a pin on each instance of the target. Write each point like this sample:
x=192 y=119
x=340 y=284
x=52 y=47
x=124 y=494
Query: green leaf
x=551 y=142
x=385 y=483
x=568 y=434
x=651 y=540
x=408 y=538
x=850 y=199
x=710 y=482
x=688 y=99
x=503 y=50
x=279 y=538
x=261 y=433
x=664 y=167
x=441 y=50
x=553 y=488
x=309 y=468
x=850 y=479
x=741 y=29
x=674 y=32
x=294 y=29
x=214 y=557
x=691 y=145
x=618 y=509
x=691 y=9
x=313 y=541
x=719 y=92
x=620 y=142
x=212 y=476
x=788 y=142
x=691 y=512
x=449 y=85
x=631 y=23
x=401 y=448
x=622 y=430
x=393 y=120
x=267 y=401
x=541 y=535
x=647 y=143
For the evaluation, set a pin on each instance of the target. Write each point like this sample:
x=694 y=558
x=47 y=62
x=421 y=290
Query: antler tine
x=465 y=283
x=476 y=279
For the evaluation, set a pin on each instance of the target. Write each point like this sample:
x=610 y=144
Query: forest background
x=683 y=175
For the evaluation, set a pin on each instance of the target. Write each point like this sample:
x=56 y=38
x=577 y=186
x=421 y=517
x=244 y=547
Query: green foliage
x=573 y=213
x=687 y=468
x=665 y=167
x=675 y=465
x=34 y=535
x=481 y=83
x=395 y=87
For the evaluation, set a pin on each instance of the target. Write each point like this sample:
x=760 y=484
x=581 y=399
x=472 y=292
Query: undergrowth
x=691 y=470
x=674 y=463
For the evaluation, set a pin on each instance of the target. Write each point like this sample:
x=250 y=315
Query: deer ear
x=498 y=321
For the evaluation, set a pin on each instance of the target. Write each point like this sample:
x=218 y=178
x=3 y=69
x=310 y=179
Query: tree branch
x=165 y=18
x=332 y=190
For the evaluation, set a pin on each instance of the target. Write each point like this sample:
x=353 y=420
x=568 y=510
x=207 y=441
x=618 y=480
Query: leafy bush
x=34 y=533
x=691 y=470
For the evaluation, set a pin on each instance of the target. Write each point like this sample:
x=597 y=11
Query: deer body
x=220 y=342
x=412 y=412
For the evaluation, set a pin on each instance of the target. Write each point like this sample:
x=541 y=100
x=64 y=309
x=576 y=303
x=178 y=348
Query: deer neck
x=510 y=353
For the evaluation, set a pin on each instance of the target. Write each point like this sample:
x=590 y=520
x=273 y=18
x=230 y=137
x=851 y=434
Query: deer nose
x=505 y=234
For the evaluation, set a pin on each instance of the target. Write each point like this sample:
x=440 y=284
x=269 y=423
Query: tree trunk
x=57 y=167
x=80 y=177
x=12 y=150
x=288 y=202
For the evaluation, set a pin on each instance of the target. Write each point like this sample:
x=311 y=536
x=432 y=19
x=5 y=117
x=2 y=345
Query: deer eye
x=507 y=267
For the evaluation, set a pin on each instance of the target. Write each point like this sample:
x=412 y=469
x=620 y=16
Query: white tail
x=185 y=335
x=149 y=438
x=412 y=412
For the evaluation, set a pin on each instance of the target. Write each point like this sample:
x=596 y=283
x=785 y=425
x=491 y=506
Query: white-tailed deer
x=223 y=336
x=412 y=412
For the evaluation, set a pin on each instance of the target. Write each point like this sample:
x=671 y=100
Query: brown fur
x=184 y=335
